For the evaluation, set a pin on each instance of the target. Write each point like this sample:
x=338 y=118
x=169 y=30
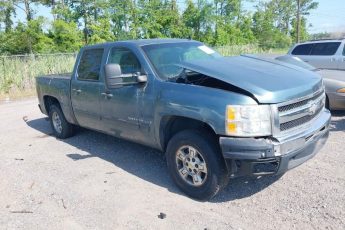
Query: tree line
x=272 y=24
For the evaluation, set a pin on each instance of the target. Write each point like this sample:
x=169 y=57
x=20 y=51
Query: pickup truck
x=215 y=117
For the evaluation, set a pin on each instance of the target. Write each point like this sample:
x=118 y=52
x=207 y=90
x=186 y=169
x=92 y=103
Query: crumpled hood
x=268 y=81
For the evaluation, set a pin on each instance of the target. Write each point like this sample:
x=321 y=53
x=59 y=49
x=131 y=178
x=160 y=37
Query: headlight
x=248 y=120
x=342 y=90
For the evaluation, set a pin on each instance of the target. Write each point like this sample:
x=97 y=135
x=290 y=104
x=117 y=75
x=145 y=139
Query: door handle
x=77 y=90
x=107 y=95
x=333 y=59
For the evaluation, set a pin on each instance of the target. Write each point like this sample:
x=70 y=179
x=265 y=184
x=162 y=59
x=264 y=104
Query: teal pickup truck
x=214 y=117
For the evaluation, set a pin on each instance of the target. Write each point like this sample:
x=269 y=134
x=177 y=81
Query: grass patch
x=17 y=73
x=247 y=49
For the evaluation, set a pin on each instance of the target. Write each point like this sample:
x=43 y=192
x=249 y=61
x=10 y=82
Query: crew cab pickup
x=215 y=117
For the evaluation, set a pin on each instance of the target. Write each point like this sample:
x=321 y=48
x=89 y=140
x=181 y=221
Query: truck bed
x=58 y=86
x=57 y=76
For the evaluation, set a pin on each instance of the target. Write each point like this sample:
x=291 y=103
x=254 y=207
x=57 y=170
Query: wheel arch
x=170 y=125
x=48 y=101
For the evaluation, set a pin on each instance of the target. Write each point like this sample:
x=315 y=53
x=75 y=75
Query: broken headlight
x=248 y=120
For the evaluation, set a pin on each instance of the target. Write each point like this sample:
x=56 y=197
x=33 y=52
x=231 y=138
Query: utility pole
x=298 y=21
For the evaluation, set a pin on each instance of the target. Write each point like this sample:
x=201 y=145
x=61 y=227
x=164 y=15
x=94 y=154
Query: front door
x=85 y=89
x=120 y=105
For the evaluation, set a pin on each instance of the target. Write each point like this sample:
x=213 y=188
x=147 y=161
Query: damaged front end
x=196 y=78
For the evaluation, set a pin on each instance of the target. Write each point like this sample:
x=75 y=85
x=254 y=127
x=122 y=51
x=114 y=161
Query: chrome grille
x=298 y=113
x=299 y=103
x=299 y=121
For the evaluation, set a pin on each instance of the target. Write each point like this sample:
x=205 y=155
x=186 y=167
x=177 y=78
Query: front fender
x=200 y=103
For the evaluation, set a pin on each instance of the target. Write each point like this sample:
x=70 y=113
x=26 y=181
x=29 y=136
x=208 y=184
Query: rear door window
x=90 y=65
x=303 y=49
x=325 y=48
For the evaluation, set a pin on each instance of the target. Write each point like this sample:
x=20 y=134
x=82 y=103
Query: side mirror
x=115 y=79
x=141 y=78
x=113 y=75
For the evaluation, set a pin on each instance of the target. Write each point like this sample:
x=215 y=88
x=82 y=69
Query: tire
x=208 y=167
x=61 y=128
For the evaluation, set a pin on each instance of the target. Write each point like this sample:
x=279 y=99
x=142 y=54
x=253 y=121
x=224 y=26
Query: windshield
x=166 y=57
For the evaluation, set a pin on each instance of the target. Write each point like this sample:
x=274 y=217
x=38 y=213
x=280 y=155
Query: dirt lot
x=94 y=181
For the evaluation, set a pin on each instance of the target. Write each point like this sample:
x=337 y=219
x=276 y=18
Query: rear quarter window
x=325 y=48
x=303 y=49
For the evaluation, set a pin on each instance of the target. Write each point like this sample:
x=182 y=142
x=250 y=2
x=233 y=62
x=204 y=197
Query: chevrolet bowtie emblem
x=312 y=109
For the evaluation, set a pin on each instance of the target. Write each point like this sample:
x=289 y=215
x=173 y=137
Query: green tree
x=26 y=38
x=303 y=8
x=199 y=19
x=271 y=23
x=150 y=18
x=37 y=40
x=14 y=41
x=66 y=36
x=101 y=31
x=27 y=6
x=303 y=33
x=6 y=12
x=215 y=22
x=190 y=19
x=171 y=21
x=124 y=16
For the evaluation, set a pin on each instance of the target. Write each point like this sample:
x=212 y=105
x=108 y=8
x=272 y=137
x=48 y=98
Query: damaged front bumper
x=265 y=156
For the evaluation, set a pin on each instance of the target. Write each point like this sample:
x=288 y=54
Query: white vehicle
x=322 y=54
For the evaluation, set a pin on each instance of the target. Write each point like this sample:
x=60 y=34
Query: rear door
x=85 y=88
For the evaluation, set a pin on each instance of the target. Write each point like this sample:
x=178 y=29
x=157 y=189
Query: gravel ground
x=94 y=181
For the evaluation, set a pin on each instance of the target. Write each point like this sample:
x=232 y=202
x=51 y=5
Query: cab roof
x=141 y=42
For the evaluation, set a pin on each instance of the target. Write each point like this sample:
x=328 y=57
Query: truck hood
x=268 y=81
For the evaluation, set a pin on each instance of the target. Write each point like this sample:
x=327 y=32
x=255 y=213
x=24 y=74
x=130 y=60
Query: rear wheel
x=196 y=165
x=61 y=128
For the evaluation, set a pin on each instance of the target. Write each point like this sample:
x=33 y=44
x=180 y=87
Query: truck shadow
x=143 y=162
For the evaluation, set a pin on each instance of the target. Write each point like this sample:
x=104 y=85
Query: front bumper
x=263 y=156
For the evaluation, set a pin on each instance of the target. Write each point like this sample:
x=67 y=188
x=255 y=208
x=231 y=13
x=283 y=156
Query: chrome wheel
x=57 y=122
x=191 y=165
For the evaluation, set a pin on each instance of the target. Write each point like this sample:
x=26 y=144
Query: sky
x=328 y=17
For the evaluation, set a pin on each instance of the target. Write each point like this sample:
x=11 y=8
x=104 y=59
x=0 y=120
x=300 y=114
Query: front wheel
x=196 y=165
